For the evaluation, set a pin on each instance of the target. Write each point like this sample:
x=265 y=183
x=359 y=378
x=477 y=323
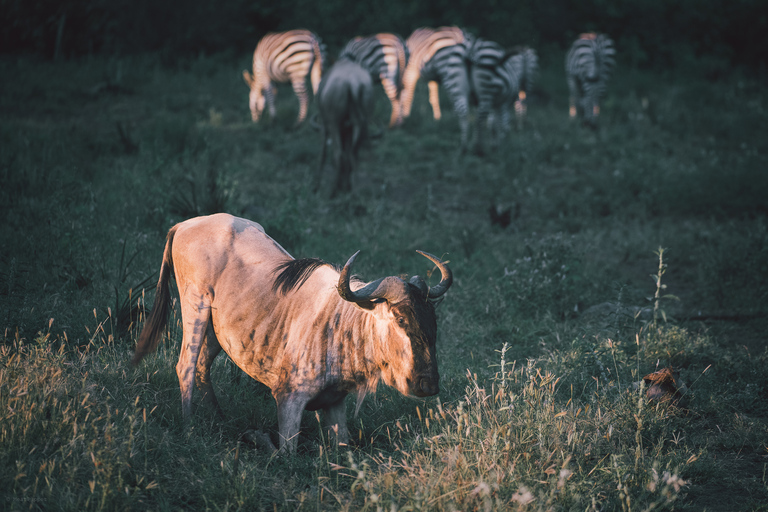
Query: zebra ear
x=248 y=77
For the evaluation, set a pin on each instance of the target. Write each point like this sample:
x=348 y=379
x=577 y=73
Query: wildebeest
x=345 y=100
x=384 y=56
x=306 y=329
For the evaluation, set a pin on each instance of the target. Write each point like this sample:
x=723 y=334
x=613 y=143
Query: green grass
x=547 y=327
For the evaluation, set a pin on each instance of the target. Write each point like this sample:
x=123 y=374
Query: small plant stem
x=659 y=286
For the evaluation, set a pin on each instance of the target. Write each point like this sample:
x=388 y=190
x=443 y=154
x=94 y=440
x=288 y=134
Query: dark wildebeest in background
x=304 y=328
x=384 y=56
x=345 y=99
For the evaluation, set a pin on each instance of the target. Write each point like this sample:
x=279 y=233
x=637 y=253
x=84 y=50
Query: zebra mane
x=292 y=274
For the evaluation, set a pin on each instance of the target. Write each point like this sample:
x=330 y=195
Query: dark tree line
x=649 y=33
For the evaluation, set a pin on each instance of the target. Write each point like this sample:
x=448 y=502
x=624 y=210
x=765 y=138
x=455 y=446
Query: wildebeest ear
x=248 y=77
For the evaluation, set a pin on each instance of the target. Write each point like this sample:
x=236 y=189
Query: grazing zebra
x=526 y=62
x=588 y=67
x=384 y=56
x=496 y=76
x=438 y=56
x=284 y=57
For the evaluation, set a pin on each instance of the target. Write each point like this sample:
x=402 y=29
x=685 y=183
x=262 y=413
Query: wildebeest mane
x=294 y=273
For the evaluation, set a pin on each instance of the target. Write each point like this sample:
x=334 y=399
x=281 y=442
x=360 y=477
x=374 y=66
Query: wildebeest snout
x=426 y=385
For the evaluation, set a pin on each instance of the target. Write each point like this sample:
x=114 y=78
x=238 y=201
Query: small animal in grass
x=503 y=217
x=665 y=385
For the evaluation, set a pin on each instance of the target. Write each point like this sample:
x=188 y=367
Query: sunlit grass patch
x=519 y=444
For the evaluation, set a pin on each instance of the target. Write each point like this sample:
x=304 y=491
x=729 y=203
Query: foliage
x=547 y=328
x=653 y=33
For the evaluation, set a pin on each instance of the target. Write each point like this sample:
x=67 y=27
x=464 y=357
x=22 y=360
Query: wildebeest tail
x=153 y=329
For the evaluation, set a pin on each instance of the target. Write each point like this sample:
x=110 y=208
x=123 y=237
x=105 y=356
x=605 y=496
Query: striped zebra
x=284 y=57
x=526 y=62
x=588 y=67
x=438 y=56
x=496 y=76
x=384 y=56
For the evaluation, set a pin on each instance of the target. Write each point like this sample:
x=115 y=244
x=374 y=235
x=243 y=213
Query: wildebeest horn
x=392 y=289
x=447 y=277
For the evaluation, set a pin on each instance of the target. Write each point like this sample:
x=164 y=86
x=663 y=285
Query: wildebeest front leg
x=336 y=423
x=195 y=313
x=208 y=352
x=289 y=410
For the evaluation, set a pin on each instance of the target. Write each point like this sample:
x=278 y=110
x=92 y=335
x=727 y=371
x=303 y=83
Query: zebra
x=526 y=62
x=496 y=76
x=384 y=56
x=438 y=56
x=588 y=67
x=284 y=57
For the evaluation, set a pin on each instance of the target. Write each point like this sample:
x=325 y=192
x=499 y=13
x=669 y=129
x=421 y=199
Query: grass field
x=549 y=323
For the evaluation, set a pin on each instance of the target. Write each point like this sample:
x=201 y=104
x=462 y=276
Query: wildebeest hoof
x=260 y=440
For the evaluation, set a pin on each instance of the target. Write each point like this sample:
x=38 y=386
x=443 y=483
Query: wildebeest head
x=404 y=316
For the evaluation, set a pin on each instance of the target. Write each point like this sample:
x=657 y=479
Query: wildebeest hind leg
x=195 y=314
x=208 y=352
x=336 y=423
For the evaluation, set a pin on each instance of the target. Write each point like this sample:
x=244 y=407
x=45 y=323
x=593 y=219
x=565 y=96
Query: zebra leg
x=573 y=98
x=434 y=100
x=481 y=124
x=587 y=110
x=410 y=77
x=390 y=89
x=300 y=88
x=521 y=109
x=456 y=82
x=503 y=124
x=269 y=94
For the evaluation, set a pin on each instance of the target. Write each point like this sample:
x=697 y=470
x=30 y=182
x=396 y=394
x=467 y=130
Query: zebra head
x=256 y=98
